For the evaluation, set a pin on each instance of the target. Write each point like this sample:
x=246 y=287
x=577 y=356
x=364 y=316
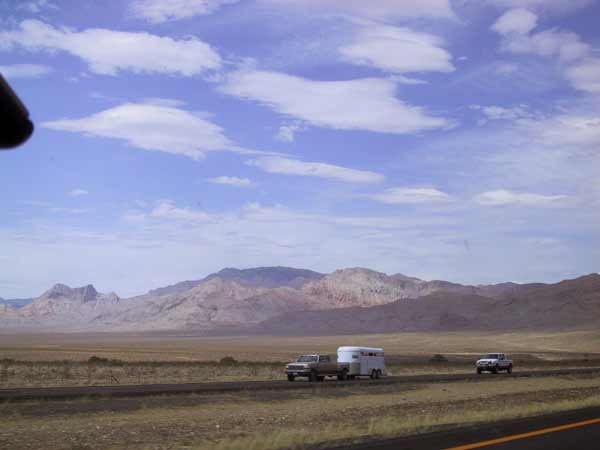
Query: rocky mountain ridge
x=281 y=300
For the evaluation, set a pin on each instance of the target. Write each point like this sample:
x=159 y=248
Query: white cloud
x=167 y=209
x=550 y=6
x=493 y=112
x=376 y=9
x=520 y=21
x=287 y=132
x=360 y=104
x=516 y=25
x=576 y=132
x=158 y=11
x=77 y=192
x=67 y=210
x=564 y=44
x=24 y=70
x=506 y=68
x=411 y=195
x=397 y=50
x=585 y=76
x=505 y=197
x=288 y=166
x=107 y=52
x=36 y=6
x=232 y=181
x=151 y=127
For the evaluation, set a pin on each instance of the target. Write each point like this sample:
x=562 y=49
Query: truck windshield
x=491 y=356
x=307 y=358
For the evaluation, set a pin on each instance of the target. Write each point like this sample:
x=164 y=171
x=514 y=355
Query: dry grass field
x=64 y=360
x=165 y=347
x=283 y=419
x=270 y=420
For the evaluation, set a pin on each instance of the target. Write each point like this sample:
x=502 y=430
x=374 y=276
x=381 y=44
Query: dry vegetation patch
x=248 y=420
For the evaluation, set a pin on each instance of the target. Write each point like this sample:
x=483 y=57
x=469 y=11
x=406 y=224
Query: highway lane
x=65 y=393
x=559 y=431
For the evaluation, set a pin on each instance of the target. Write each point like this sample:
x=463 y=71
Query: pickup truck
x=316 y=368
x=494 y=362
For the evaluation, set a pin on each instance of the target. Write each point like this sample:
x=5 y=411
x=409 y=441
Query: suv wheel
x=495 y=369
x=509 y=370
x=291 y=377
x=479 y=370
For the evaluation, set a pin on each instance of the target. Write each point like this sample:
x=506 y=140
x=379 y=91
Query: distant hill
x=15 y=302
x=282 y=300
x=268 y=277
x=568 y=304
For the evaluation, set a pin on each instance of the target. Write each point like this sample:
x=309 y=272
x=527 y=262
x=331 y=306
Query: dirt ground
x=282 y=419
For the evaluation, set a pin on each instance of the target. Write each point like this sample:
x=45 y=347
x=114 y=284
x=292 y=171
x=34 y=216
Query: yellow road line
x=525 y=435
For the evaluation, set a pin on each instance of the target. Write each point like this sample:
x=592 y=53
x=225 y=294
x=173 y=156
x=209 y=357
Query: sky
x=443 y=139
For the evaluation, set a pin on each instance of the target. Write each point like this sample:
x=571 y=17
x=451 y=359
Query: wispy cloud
x=360 y=104
x=25 y=70
x=167 y=209
x=78 y=192
x=287 y=132
x=504 y=197
x=287 y=166
x=388 y=10
x=108 y=52
x=397 y=50
x=159 y=11
x=232 y=181
x=585 y=76
x=411 y=195
x=151 y=127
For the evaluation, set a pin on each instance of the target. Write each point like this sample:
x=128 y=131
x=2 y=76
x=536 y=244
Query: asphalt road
x=65 y=393
x=562 y=431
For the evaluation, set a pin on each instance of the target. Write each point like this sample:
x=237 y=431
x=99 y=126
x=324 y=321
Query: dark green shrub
x=437 y=359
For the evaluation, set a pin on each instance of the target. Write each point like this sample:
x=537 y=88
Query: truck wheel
x=479 y=371
x=343 y=376
x=321 y=378
x=495 y=369
x=352 y=377
x=312 y=377
x=509 y=370
x=291 y=377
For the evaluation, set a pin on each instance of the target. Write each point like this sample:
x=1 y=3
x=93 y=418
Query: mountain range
x=288 y=301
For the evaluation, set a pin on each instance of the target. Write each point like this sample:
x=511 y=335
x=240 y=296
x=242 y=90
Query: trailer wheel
x=378 y=375
x=352 y=377
x=373 y=374
x=291 y=377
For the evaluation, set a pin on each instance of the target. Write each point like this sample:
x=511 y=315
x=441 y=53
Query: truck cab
x=315 y=367
x=494 y=362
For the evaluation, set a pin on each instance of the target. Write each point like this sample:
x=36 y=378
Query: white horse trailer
x=362 y=361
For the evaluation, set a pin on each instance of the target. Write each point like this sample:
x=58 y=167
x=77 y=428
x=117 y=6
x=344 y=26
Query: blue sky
x=441 y=139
